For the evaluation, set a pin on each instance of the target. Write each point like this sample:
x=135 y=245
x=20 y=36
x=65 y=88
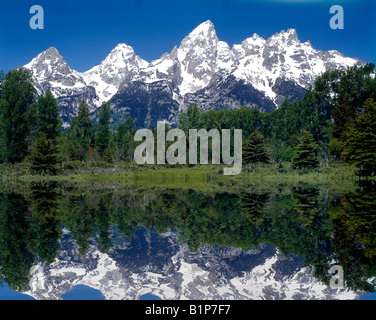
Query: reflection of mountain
x=161 y=265
x=301 y=221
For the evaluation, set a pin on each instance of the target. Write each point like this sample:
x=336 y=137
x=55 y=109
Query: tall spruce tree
x=305 y=153
x=47 y=116
x=81 y=133
x=124 y=139
x=16 y=102
x=254 y=149
x=44 y=155
x=360 y=148
x=102 y=139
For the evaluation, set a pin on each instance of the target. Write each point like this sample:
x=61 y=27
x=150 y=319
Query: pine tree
x=190 y=118
x=44 y=155
x=360 y=148
x=47 y=116
x=103 y=134
x=305 y=153
x=17 y=98
x=81 y=132
x=254 y=149
x=124 y=139
x=107 y=155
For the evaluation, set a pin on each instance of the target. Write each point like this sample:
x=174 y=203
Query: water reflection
x=178 y=244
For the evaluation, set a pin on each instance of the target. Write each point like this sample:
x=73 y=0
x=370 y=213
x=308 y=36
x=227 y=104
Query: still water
x=58 y=242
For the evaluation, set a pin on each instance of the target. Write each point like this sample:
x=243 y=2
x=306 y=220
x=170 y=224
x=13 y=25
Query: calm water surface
x=160 y=243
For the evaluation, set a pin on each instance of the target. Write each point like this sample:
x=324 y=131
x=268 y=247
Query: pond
x=137 y=243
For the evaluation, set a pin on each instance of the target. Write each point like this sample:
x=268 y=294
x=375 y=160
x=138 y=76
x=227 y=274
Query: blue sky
x=86 y=31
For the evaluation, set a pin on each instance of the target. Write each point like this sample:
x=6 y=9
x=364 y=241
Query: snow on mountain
x=267 y=71
x=162 y=266
x=120 y=65
x=52 y=73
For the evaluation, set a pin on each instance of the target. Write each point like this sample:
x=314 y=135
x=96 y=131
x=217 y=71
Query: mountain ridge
x=257 y=72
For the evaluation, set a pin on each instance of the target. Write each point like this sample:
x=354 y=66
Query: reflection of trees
x=305 y=203
x=44 y=208
x=16 y=241
x=354 y=240
x=102 y=220
x=298 y=221
x=252 y=206
x=298 y=224
x=28 y=233
x=80 y=220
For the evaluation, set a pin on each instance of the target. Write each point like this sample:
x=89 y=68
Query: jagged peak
x=123 y=47
x=203 y=32
x=52 y=50
x=288 y=35
x=204 y=27
x=49 y=56
x=254 y=39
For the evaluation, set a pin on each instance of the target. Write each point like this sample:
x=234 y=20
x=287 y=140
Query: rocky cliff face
x=161 y=265
x=204 y=70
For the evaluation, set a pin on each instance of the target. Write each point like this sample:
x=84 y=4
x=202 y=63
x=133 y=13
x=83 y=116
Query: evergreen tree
x=190 y=118
x=125 y=139
x=305 y=153
x=360 y=148
x=103 y=134
x=47 y=116
x=107 y=156
x=44 y=155
x=16 y=101
x=254 y=149
x=81 y=132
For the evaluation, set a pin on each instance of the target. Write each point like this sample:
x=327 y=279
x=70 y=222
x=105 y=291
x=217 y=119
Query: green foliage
x=107 y=156
x=16 y=101
x=124 y=140
x=81 y=133
x=102 y=139
x=360 y=148
x=306 y=153
x=47 y=117
x=44 y=155
x=335 y=148
x=190 y=118
x=254 y=149
x=352 y=88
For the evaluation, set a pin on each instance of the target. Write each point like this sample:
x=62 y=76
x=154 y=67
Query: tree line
x=336 y=120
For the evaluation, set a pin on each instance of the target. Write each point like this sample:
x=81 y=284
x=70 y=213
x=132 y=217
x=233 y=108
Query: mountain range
x=204 y=70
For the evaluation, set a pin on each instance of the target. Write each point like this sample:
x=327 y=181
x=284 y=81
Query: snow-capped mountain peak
x=51 y=72
x=204 y=33
x=50 y=63
x=120 y=65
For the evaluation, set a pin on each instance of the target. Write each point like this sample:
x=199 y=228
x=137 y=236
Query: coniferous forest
x=335 y=122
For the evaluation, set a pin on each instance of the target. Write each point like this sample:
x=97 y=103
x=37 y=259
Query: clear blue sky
x=85 y=31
